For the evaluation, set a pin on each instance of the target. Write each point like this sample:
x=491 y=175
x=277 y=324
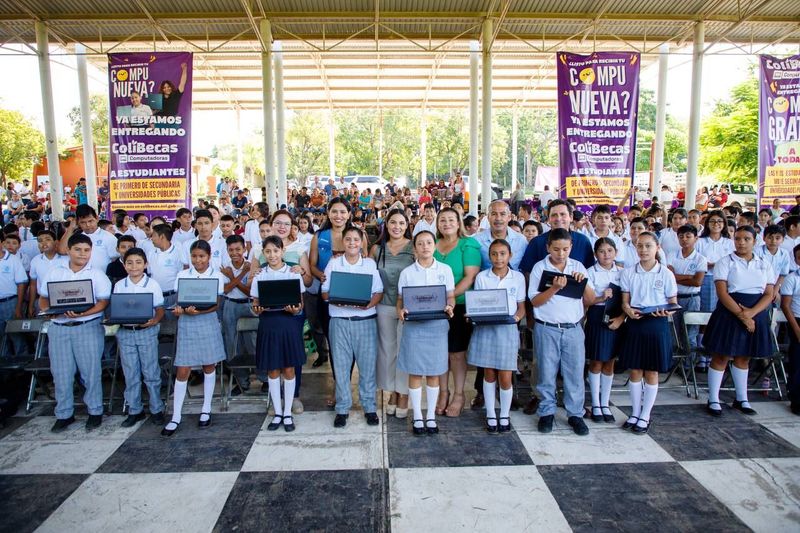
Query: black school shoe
x=132 y=420
x=504 y=428
x=372 y=419
x=340 y=421
x=157 y=418
x=62 y=424
x=578 y=425
x=202 y=424
x=288 y=423
x=93 y=422
x=746 y=410
x=546 y=423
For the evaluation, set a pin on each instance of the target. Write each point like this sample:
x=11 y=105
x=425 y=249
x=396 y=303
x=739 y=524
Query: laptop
x=488 y=307
x=155 y=101
x=655 y=308
x=198 y=292
x=76 y=296
x=278 y=293
x=425 y=302
x=574 y=289
x=613 y=306
x=350 y=289
x=130 y=309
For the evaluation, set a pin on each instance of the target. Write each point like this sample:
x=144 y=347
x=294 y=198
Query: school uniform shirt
x=252 y=235
x=104 y=249
x=416 y=275
x=25 y=234
x=517 y=241
x=179 y=236
x=630 y=257
x=41 y=265
x=648 y=288
x=781 y=262
x=12 y=273
x=219 y=251
x=27 y=251
x=211 y=272
x=136 y=233
x=101 y=286
x=688 y=266
x=143 y=286
x=164 y=266
x=713 y=251
x=791 y=287
x=236 y=293
x=789 y=243
x=601 y=279
x=669 y=242
x=594 y=237
x=146 y=245
x=422 y=225
x=362 y=266
x=558 y=309
x=537 y=251
x=513 y=282
x=268 y=274
x=746 y=277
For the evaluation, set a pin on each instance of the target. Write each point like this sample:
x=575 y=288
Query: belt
x=134 y=328
x=76 y=323
x=693 y=295
x=7 y=299
x=238 y=300
x=559 y=325
x=356 y=318
x=168 y=293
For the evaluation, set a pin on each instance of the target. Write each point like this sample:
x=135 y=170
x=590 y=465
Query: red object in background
x=71 y=168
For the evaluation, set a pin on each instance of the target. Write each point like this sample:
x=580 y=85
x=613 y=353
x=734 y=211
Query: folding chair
x=245 y=361
x=40 y=364
x=19 y=327
x=684 y=355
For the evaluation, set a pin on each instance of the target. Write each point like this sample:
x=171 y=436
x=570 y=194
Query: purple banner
x=150 y=102
x=779 y=131
x=598 y=98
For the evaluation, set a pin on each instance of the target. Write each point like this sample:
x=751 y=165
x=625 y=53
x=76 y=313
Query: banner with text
x=598 y=98
x=779 y=131
x=150 y=103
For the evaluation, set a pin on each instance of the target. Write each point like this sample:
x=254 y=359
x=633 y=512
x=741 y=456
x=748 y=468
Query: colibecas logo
x=122 y=75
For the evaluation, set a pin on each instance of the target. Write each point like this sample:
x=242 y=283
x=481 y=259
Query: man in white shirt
x=547 y=196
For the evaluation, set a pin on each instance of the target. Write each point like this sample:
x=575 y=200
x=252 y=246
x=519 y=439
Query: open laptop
x=278 y=293
x=574 y=288
x=76 y=296
x=425 y=302
x=130 y=308
x=201 y=293
x=488 y=307
x=348 y=288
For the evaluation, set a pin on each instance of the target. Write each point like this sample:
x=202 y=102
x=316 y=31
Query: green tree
x=98 y=106
x=537 y=143
x=729 y=137
x=306 y=146
x=21 y=145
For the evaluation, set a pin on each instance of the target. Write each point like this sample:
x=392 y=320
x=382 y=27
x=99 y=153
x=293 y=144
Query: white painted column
x=331 y=144
x=661 y=119
x=51 y=139
x=269 y=127
x=474 y=58
x=694 y=112
x=514 y=135
x=239 y=149
x=486 y=117
x=280 y=123
x=423 y=150
x=89 y=171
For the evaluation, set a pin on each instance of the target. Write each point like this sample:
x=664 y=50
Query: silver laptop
x=425 y=302
x=200 y=293
x=76 y=296
x=488 y=307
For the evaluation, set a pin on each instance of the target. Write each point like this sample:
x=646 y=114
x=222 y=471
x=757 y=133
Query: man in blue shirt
x=559 y=216
x=329 y=188
x=80 y=192
x=499 y=215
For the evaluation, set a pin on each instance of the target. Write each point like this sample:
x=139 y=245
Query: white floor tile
x=144 y=502
x=763 y=493
x=509 y=498
x=345 y=451
x=321 y=423
x=38 y=429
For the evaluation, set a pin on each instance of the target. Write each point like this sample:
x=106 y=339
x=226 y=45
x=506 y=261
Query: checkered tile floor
x=690 y=473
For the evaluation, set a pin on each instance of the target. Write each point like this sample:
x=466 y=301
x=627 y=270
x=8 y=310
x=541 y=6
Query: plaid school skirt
x=199 y=340
x=494 y=346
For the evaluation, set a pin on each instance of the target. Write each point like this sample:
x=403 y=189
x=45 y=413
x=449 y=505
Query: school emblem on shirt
x=659 y=284
x=169 y=262
x=216 y=253
x=441 y=278
x=512 y=291
x=693 y=266
x=6 y=269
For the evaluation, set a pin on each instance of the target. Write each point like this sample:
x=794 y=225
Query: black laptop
x=656 y=308
x=425 y=302
x=613 y=306
x=130 y=308
x=348 y=288
x=200 y=293
x=488 y=307
x=574 y=288
x=76 y=296
x=278 y=293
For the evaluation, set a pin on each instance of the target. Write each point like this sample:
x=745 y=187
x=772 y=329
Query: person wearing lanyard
x=237 y=305
x=165 y=262
x=75 y=340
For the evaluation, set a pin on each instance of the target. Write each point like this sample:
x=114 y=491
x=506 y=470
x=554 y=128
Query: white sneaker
x=297 y=406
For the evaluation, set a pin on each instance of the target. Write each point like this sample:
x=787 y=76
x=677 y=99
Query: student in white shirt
x=647 y=342
x=739 y=327
x=792 y=226
x=138 y=344
x=165 y=262
x=185 y=232
x=428 y=220
x=790 y=304
x=773 y=252
x=354 y=331
x=13 y=283
x=104 y=244
x=669 y=236
x=40 y=266
x=204 y=224
x=237 y=305
x=423 y=344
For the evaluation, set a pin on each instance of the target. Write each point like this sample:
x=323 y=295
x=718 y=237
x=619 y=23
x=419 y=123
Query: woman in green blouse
x=462 y=254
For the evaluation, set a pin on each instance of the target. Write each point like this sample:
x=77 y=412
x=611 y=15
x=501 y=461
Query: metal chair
x=19 y=327
x=246 y=361
x=684 y=355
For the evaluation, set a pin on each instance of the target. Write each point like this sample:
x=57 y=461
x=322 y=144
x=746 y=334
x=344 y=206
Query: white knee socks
x=274 y=385
x=288 y=396
x=635 y=391
x=740 y=382
x=415 y=400
x=649 y=400
x=208 y=393
x=594 y=387
x=714 y=383
x=488 y=397
x=177 y=400
x=505 y=401
x=606 y=383
x=431 y=395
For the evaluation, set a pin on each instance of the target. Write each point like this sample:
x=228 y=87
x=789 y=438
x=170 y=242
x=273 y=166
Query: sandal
x=454 y=409
x=441 y=406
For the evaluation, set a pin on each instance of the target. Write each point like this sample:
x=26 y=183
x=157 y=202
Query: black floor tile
x=11 y=424
x=636 y=497
x=27 y=500
x=688 y=433
x=318 y=387
x=337 y=500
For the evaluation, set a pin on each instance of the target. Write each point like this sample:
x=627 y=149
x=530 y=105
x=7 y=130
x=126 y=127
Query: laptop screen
x=346 y=285
x=279 y=292
x=201 y=291
x=421 y=299
x=64 y=293
x=131 y=306
x=486 y=302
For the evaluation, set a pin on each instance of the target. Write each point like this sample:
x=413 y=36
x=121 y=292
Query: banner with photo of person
x=150 y=104
x=779 y=131
x=598 y=99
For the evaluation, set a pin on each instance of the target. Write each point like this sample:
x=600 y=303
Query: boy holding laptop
x=76 y=338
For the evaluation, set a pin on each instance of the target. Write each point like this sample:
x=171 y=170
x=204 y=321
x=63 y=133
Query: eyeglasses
x=716 y=221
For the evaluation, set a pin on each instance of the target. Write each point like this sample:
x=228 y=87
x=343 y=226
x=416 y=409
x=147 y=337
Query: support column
x=486 y=117
x=280 y=124
x=89 y=171
x=661 y=119
x=473 y=127
x=51 y=139
x=332 y=145
x=514 y=135
x=239 y=149
x=694 y=112
x=269 y=127
x=423 y=150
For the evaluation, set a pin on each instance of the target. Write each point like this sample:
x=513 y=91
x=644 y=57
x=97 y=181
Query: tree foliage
x=676 y=136
x=729 y=137
x=98 y=106
x=21 y=145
